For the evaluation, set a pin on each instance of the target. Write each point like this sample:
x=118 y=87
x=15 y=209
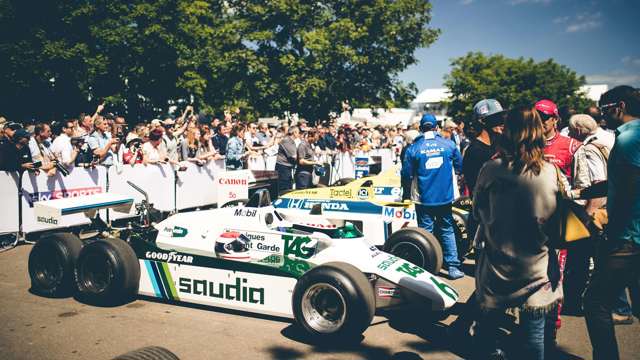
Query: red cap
x=547 y=107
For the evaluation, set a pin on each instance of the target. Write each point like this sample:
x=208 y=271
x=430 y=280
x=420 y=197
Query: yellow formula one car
x=374 y=205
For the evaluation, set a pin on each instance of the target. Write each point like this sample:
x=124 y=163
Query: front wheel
x=333 y=302
x=417 y=246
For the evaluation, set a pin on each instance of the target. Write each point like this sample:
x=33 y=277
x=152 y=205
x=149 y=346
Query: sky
x=597 y=39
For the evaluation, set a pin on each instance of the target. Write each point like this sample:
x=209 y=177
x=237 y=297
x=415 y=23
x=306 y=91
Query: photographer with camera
x=133 y=153
x=100 y=142
x=39 y=146
x=62 y=148
x=15 y=154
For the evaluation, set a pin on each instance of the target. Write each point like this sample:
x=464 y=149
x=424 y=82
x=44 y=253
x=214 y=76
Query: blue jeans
x=621 y=305
x=536 y=329
x=617 y=268
x=442 y=218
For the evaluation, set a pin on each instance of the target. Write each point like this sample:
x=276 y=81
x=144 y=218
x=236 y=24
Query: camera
x=77 y=141
x=63 y=169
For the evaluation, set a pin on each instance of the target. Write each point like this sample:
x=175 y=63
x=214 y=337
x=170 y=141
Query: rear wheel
x=417 y=246
x=51 y=264
x=108 y=272
x=333 y=302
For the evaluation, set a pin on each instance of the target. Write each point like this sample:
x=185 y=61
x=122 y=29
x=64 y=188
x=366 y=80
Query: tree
x=513 y=82
x=309 y=56
x=265 y=57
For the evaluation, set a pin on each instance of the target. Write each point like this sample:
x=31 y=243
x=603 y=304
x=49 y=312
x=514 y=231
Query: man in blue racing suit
x=427 y=179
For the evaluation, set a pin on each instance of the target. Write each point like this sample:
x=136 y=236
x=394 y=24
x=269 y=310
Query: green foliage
x=265 y=56
x=513 y=82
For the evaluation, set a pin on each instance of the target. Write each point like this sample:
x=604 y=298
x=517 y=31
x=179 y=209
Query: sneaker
x=455 y=273
x=621 y=319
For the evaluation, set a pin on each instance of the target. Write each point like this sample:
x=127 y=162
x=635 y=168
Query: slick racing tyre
x=333 y=302
x=108 y=272
x=51 y=264
x=464 y=241
x=148 y=353
x=417 y=246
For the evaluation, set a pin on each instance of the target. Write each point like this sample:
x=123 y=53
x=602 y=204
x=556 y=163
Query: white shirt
x=62 y=148
x=590 y=160
x=40 y=152
x=153 y=154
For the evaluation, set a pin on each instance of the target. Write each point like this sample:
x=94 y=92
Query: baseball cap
x=547 y=107
x=13 y=126
x=485 y=108
x=21 y=134
x=155 y=135
x=428 y=119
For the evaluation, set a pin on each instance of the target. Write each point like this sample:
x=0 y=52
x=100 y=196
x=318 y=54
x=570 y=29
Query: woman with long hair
x=206 y=151
x=191 y=145
x=514 y=201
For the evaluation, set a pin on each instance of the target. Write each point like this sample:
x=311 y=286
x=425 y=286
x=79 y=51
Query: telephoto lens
x=63 y=169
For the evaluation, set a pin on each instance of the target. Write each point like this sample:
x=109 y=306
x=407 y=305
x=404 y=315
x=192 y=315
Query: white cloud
x=466 y=2
x=631 y=61
x=614 y=78
x=580 y=22
x=561 y=20
x=518 y=2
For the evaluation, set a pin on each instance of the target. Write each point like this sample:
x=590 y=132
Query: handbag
x=573 y=219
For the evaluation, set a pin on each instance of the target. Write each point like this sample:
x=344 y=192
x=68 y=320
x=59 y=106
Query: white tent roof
x=593 y=92
x=436 y=95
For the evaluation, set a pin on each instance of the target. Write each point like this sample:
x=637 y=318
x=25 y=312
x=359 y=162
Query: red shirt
x=559 y=151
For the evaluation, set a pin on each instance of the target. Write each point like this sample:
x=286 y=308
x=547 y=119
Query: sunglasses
x=604 y=108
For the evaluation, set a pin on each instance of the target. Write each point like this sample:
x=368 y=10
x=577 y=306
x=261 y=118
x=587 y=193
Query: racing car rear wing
x=52 y=211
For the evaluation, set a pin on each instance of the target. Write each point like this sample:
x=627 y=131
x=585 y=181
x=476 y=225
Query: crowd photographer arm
x=98 y=111
x=102 y=153
x=187 y=110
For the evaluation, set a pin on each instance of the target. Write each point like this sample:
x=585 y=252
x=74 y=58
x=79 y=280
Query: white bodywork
x=52 y=211
x=242 y=285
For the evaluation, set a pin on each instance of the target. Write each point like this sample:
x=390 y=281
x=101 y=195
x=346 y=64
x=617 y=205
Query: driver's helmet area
x=232 y=245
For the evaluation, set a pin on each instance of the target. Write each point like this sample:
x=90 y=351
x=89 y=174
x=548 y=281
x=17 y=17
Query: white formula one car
x=321 y=272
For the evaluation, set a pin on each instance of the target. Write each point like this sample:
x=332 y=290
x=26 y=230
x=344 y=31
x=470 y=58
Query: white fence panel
x=156 y=180
x=40 y=187
x=9 y=185
x=196 y=186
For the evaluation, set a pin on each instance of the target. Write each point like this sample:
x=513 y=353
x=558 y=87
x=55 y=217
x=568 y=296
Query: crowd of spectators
x=106 y=139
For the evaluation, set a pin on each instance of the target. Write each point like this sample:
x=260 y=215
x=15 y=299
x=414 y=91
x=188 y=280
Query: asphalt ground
x=33 y=327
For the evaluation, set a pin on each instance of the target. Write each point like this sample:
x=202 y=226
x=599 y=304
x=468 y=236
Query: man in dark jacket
x=287 y=159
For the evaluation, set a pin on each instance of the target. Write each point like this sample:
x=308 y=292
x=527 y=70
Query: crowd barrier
x=342 y=164
x=167 y=189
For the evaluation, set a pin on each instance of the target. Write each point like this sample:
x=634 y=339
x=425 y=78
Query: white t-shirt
x=62 y=148
x=153 y=154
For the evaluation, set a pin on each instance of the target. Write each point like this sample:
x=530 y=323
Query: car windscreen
x=348 y=231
